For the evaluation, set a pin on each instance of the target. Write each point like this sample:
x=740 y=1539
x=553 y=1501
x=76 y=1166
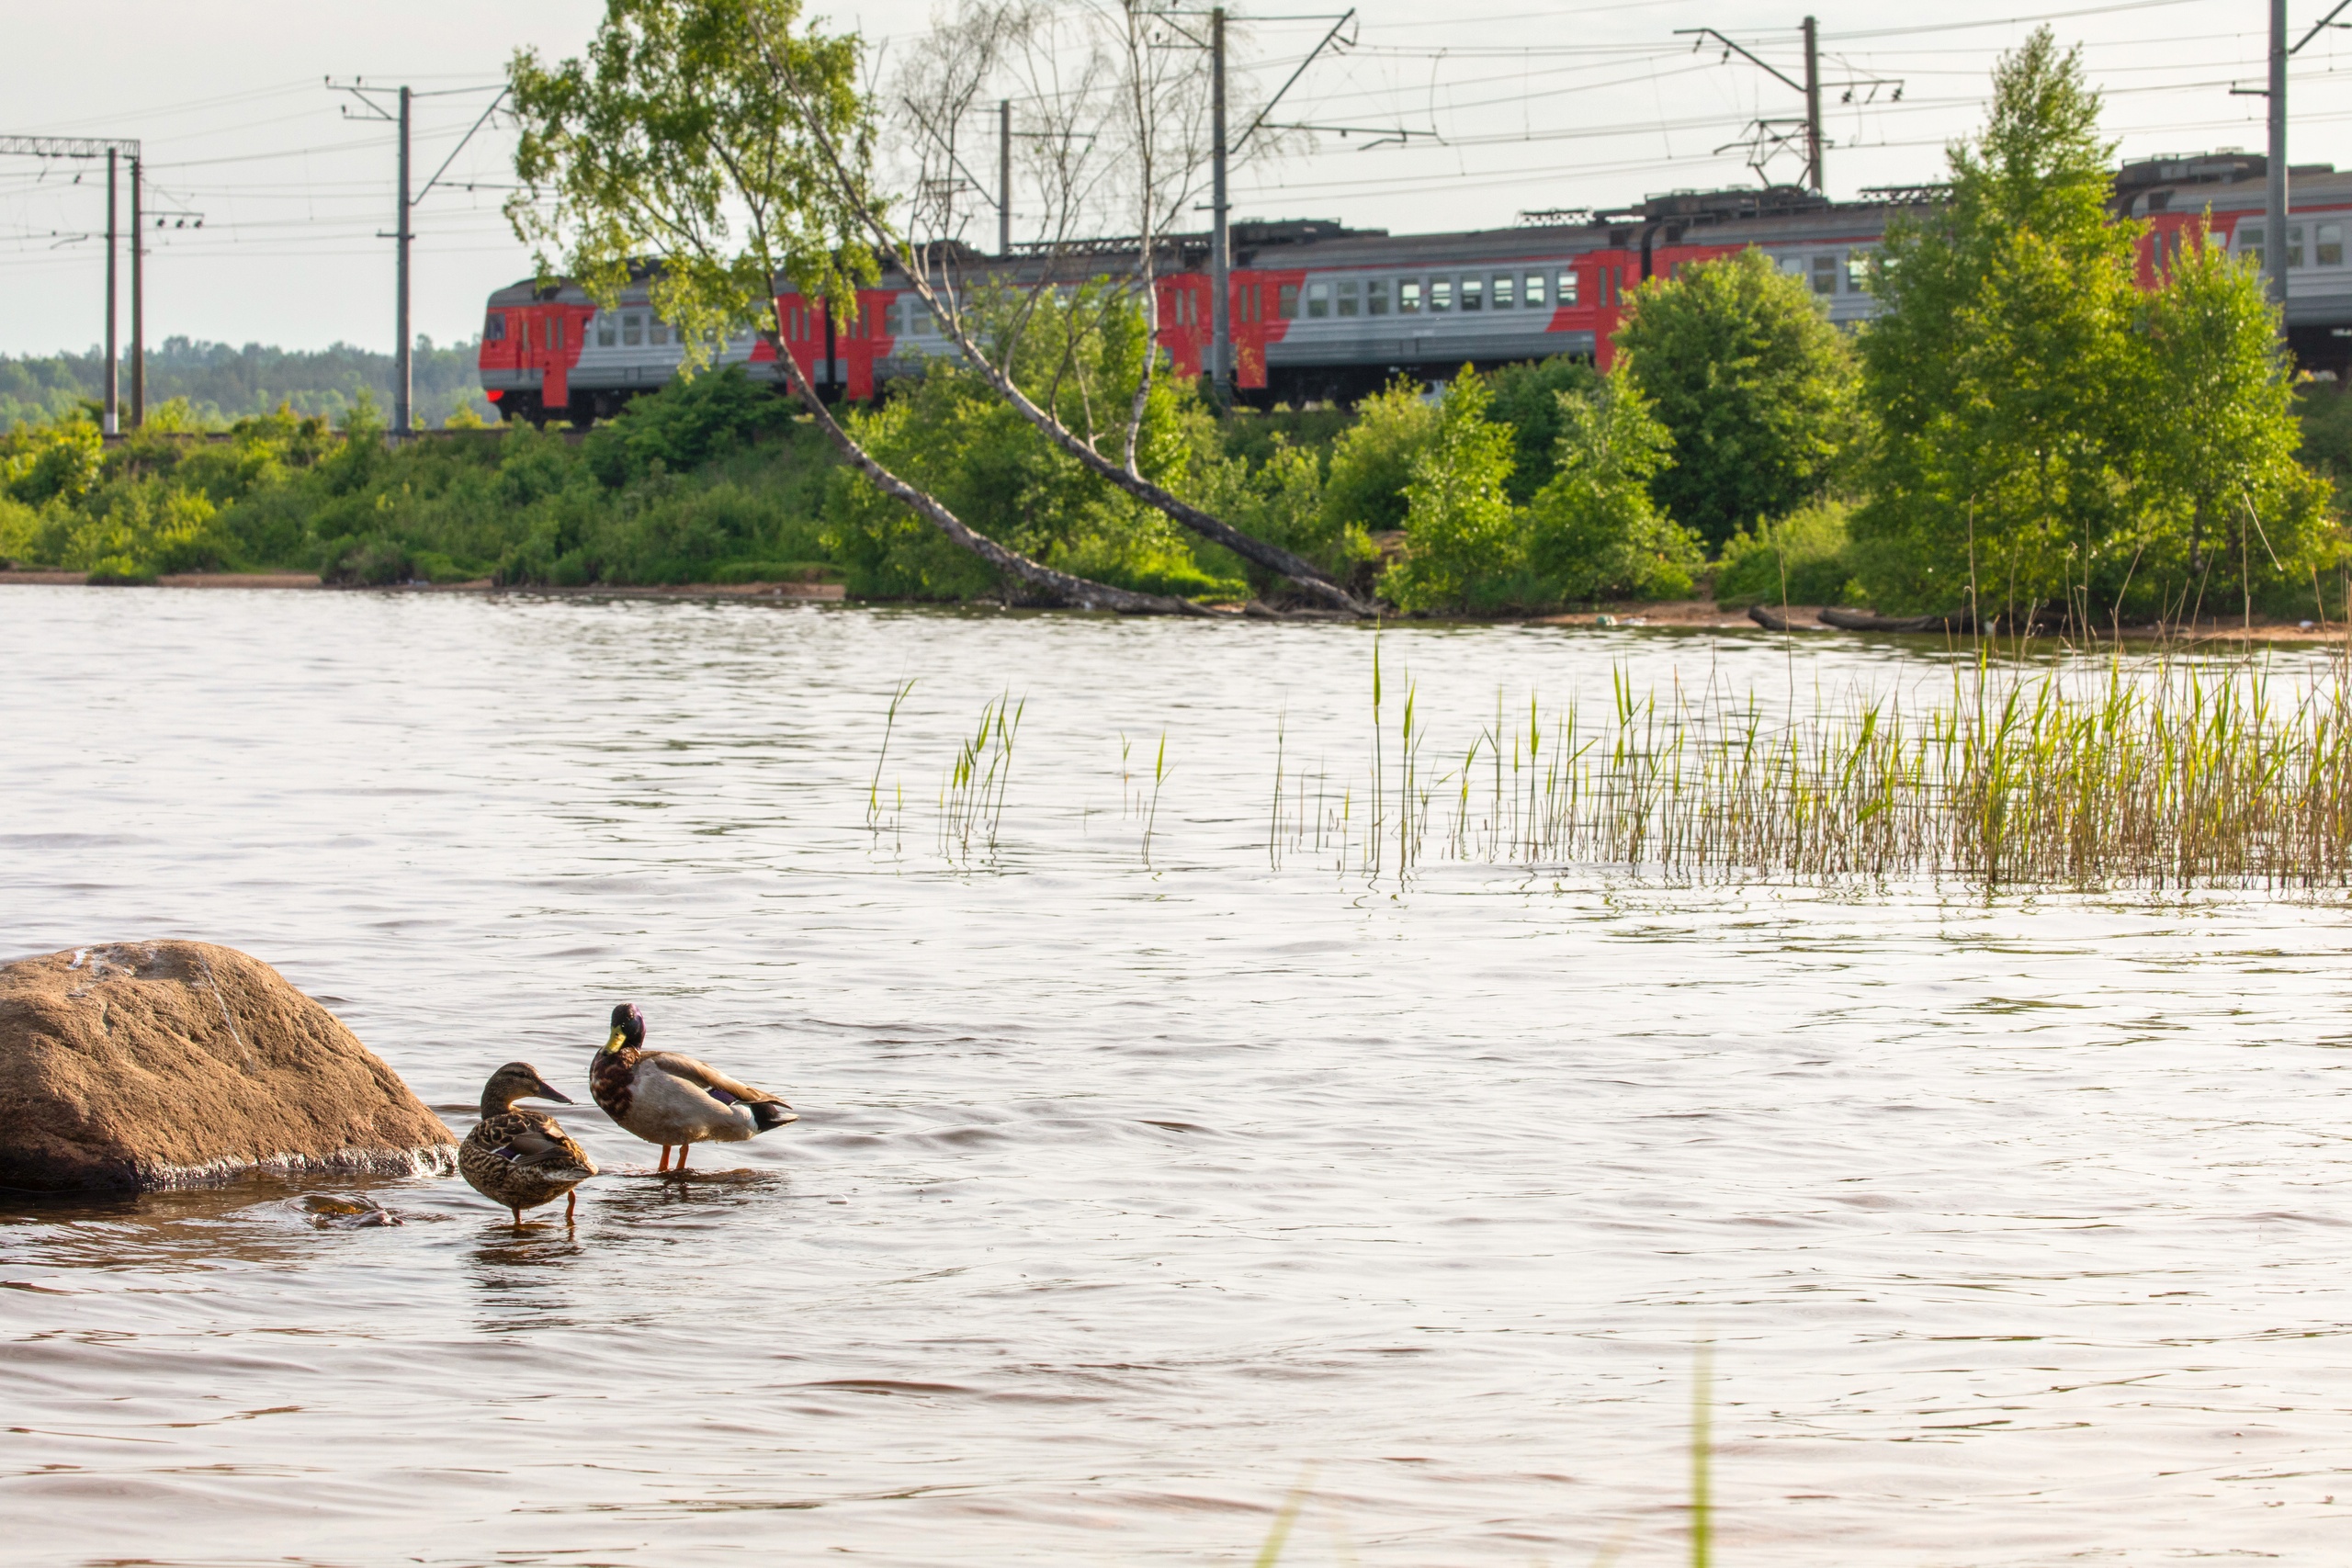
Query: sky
x=1512 y=106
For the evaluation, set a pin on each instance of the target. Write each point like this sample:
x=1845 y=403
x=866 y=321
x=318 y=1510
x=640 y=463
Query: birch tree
x=733 y=147
x=1115 y=135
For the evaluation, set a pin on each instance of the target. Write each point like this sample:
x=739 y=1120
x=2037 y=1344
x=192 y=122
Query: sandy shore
x=1700 y=615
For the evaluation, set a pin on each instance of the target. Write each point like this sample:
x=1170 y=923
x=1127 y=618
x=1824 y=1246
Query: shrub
x=1593 y=532
x=1527 y=399
x=1373 y=461
x=147 y=528
x=1461 y=531
x=1797 y=560
x=687 y=424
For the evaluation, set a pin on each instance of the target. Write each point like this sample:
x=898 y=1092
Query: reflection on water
x=1126 y=1194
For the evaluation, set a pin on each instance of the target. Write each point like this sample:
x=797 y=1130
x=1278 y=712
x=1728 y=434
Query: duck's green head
x=629 y=1028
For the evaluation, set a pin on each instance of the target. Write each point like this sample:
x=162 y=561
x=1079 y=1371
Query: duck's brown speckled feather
x=611 y=1079
x=522 y=1158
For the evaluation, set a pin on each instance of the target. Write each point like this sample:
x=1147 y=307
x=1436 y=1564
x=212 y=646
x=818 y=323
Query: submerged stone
x=140 y=1065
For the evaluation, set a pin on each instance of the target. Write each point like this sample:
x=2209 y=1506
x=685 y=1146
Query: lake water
x=1133 y=1195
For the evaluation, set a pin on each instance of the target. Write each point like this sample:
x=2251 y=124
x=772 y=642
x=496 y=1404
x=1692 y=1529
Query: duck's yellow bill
x=614 y=1042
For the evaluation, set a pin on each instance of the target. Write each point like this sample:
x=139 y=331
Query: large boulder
x=173 y=1064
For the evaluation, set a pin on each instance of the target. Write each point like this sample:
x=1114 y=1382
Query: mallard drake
x=522 y=1158
x=668 y=1099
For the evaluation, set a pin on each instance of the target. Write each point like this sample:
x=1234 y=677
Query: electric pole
x=114 y=422
x=1815 y=175
x=138 y=303
x=113 y=150
x=2273 y=250
x=1220 y=251
x=402 y=384
x=402 y=233
x=1767 y=137
x=1004 y=177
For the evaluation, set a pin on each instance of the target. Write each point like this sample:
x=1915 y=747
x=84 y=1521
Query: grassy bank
x=721 y=481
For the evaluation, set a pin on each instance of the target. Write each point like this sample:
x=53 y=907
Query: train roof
x=2227 y=181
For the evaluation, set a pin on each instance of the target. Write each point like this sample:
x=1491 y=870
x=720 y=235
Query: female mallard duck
x=667 y=1098
x=522 y=1158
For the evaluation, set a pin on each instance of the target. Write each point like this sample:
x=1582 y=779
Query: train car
x=2226 y=192
x=1322 y=312
x=549 y=352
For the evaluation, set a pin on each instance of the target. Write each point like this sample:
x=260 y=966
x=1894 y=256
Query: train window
x=2250 y=244
x=1474 y=293
x=656 y=329
x=1287 y=302
x=1318 y=299
x=1408 y=296
x=555 y=332
x=494 y=330
x=1375 y=296
x=1440 y=294
x=607 y=333
x=1568 y=286
x=1347 y=292
x=2327 y=249
x=1825 y=275
x=1858 y=267
x=1532 y=295
x=632 y=329
x=1506 y=291
x=2294 y=244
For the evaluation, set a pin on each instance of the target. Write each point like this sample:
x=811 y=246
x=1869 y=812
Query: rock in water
x=174 y=1063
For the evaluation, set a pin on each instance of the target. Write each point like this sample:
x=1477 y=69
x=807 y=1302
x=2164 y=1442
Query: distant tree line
x=220 y=384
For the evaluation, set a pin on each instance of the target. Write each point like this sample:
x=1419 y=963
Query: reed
x=971 y=797
x=889 y=723
x=2164 y=774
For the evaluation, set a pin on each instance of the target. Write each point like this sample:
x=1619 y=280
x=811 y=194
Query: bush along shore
x=2115 y=455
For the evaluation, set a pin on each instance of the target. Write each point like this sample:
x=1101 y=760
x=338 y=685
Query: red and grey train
x=1323 y=311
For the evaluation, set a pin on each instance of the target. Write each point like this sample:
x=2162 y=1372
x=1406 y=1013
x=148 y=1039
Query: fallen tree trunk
x=1772 y=620
x=1871 y=621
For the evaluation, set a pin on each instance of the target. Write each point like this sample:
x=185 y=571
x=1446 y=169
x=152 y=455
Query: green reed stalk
x=1274 y=813
x=889 y=722
x=1701 y=1453
x=1158 y=777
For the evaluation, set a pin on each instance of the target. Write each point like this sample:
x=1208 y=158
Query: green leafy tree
x=1594 y=531
x=1750 y=380
x=1461 y=531
x=2228 y=510
x=2002 y=372
x=2050 y=437
x=680 y=135
x=732 y=144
